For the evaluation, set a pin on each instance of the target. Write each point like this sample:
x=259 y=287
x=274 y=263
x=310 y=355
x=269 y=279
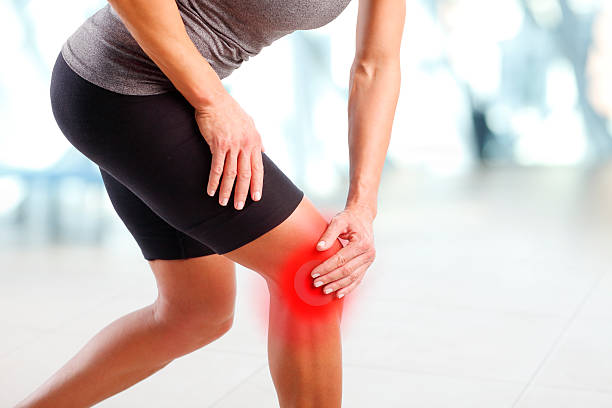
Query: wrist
x=208 y=98
x=367 y=208
x=363 y=198
x=207 y=89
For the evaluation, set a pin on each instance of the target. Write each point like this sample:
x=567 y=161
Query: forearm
x=374 y=90
x=158 y=28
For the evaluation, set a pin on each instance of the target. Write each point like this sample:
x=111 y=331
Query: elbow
x=371 y=68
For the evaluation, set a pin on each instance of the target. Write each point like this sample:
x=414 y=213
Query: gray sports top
x=225 y=32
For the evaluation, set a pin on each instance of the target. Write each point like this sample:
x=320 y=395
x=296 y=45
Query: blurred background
x=492 y=285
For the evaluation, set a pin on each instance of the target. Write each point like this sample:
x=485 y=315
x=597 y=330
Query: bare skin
x=194 y=307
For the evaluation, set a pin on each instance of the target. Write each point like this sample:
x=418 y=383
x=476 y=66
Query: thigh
x=152 y=145
x=192 y=281
x=292 y=241
x=156 y=238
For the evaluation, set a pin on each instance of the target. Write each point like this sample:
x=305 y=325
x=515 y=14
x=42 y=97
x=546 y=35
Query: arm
x=158 y=28
x=230 y=132
x=374 y=90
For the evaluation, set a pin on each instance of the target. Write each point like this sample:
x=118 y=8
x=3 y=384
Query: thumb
x=331 y=233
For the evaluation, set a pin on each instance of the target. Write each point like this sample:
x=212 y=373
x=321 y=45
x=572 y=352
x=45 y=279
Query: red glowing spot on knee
x=297 y=285
x=300 y=306
x=304 y=288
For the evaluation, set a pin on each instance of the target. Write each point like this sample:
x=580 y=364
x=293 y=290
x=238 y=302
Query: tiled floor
x=489 y=290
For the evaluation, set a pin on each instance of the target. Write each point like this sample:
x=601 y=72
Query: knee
x=293 y=290
x=193 y=327
x=301 y=315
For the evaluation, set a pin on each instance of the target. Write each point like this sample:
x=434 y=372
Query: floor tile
x=196 y=379
x=372 y=387
x=14 y=337
x=257 y=390
x=582 y=359
x=599 y=303
x=548 y=397
x=448 y=341
x=365 y=387
x=438 y=273
x=62 y=284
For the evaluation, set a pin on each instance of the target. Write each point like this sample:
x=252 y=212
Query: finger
x=334 y=229
x=262 y=148
x=216 y=169
x=348 y=289
x=337 y=260
x=243 y=179
x=342 y=285
x=343 y=271
x=229 y=175
x=257 y=174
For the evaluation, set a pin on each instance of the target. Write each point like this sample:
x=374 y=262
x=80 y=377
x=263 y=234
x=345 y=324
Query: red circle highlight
x=304 y=288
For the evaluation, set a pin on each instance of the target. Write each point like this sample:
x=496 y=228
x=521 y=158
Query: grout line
x=253 y=374
x=469 y=377
x=412 y=371
x=557 y=340
x=607 y=392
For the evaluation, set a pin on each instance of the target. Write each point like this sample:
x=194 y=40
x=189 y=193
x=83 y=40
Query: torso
x=226 y=32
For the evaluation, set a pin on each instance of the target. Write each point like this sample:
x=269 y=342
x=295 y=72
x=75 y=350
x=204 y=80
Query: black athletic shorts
x=155 y=164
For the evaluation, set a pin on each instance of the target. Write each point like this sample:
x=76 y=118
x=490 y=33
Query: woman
x=137 y=89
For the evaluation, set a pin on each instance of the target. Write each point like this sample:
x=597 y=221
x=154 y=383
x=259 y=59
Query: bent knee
x=194 y=325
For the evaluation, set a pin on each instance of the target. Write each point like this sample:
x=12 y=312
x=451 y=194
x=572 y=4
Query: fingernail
x=321 y=244
x=340 y=295
x=257 y=196
x=210 y=193
x=224 y=201
x=315 y=275
x=327 y=290
x=239 y=205
x=318 y=283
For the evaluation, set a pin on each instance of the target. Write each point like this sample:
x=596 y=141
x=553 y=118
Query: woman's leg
x=194 y=306
x=153 y=146
x=304 y=344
